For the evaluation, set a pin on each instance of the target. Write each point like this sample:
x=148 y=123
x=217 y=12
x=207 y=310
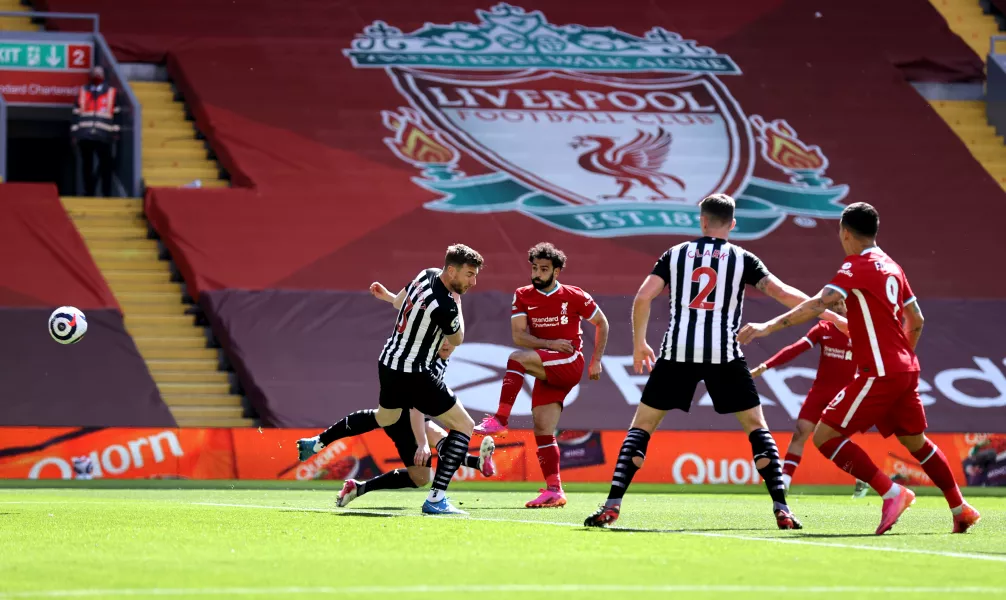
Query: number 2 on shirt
x=700 y=301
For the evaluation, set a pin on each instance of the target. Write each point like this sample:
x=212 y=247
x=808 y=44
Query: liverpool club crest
x=591 y=130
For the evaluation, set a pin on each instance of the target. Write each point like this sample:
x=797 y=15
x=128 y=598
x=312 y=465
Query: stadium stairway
x=15 y=23
x=967 y=118
x=968 y=121
x=176 y=351
x=172 y=154
x=967 y=19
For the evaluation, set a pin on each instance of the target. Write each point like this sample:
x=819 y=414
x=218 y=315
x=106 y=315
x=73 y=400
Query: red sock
x=790 y=464
x=851 y=458
x=512 y=383
x=936 y=466
x=548 y=459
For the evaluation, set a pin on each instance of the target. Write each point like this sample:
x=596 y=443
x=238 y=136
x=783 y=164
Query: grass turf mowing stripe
x=512 y=589
x=364 y=512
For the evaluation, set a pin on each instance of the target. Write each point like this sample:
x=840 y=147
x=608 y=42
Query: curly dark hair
x=459 y=255
x=548 y=251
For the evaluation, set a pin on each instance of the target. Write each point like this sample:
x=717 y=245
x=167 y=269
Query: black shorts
x=414 y=390
x=671 y=385
x=404 y=438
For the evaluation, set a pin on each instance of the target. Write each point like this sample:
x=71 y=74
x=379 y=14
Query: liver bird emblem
x=638 y=161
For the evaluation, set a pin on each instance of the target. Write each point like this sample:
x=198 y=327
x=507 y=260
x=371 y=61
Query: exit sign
x=45 y=57
x=35 y=72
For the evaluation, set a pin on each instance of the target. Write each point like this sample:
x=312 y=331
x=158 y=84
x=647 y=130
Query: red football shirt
x=835 y=368
x=876 y=290
x=554 y=315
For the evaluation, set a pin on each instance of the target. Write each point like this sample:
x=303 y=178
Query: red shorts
x=891 y=403
x=562 y=373
x=817 y=400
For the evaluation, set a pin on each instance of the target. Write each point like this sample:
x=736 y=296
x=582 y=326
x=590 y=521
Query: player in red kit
x=885 y=323
x=545 y=319
x=834 y=371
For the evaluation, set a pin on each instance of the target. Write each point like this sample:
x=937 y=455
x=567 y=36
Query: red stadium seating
x=100 y=381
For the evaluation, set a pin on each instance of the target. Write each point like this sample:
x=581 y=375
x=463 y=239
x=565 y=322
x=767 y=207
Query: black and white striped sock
x=634 y=446
x=452 y=451
x=763 y=448
x=471 y=460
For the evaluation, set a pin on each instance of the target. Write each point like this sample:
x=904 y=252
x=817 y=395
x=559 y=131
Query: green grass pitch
x=173 y=539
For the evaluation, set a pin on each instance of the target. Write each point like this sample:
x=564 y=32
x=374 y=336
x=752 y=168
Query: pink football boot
x=486 y=465
x=968 y=518
x=548 y=498
x=894 y=508
x=491 y=426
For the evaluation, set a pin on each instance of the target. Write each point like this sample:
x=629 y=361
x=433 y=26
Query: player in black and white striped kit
x=413 y=435
x=430 y=313
x=706 y=279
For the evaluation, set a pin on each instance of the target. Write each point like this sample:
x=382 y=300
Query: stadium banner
x=682 y=457
x=307 y=358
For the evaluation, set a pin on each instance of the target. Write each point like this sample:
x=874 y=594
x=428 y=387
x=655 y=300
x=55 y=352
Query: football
x=67 y=325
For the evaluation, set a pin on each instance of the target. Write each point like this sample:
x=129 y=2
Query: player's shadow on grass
x=385 y=508
x=365 y=514
x=689 y=530
x=465 y=507
x=860 y=535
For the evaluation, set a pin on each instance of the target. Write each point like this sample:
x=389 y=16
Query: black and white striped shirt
x=438 y=367
x=706 y=278
x=427 y=315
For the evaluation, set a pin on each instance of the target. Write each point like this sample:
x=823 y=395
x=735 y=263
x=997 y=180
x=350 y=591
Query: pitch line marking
x=964 y=555
x=513 y=589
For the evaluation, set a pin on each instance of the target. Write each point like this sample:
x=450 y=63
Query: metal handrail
x=136 y=185
x=993 y=40
x=34 y=14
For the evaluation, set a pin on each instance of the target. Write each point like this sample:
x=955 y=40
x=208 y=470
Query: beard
x=458 y=288
x=543 y=285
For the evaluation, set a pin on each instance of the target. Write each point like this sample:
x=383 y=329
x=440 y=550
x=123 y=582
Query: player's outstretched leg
x=519 y=364
x=935 y=464
x=352 y=424
x=513 y=381
x=392 y=480
x=851 y=458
